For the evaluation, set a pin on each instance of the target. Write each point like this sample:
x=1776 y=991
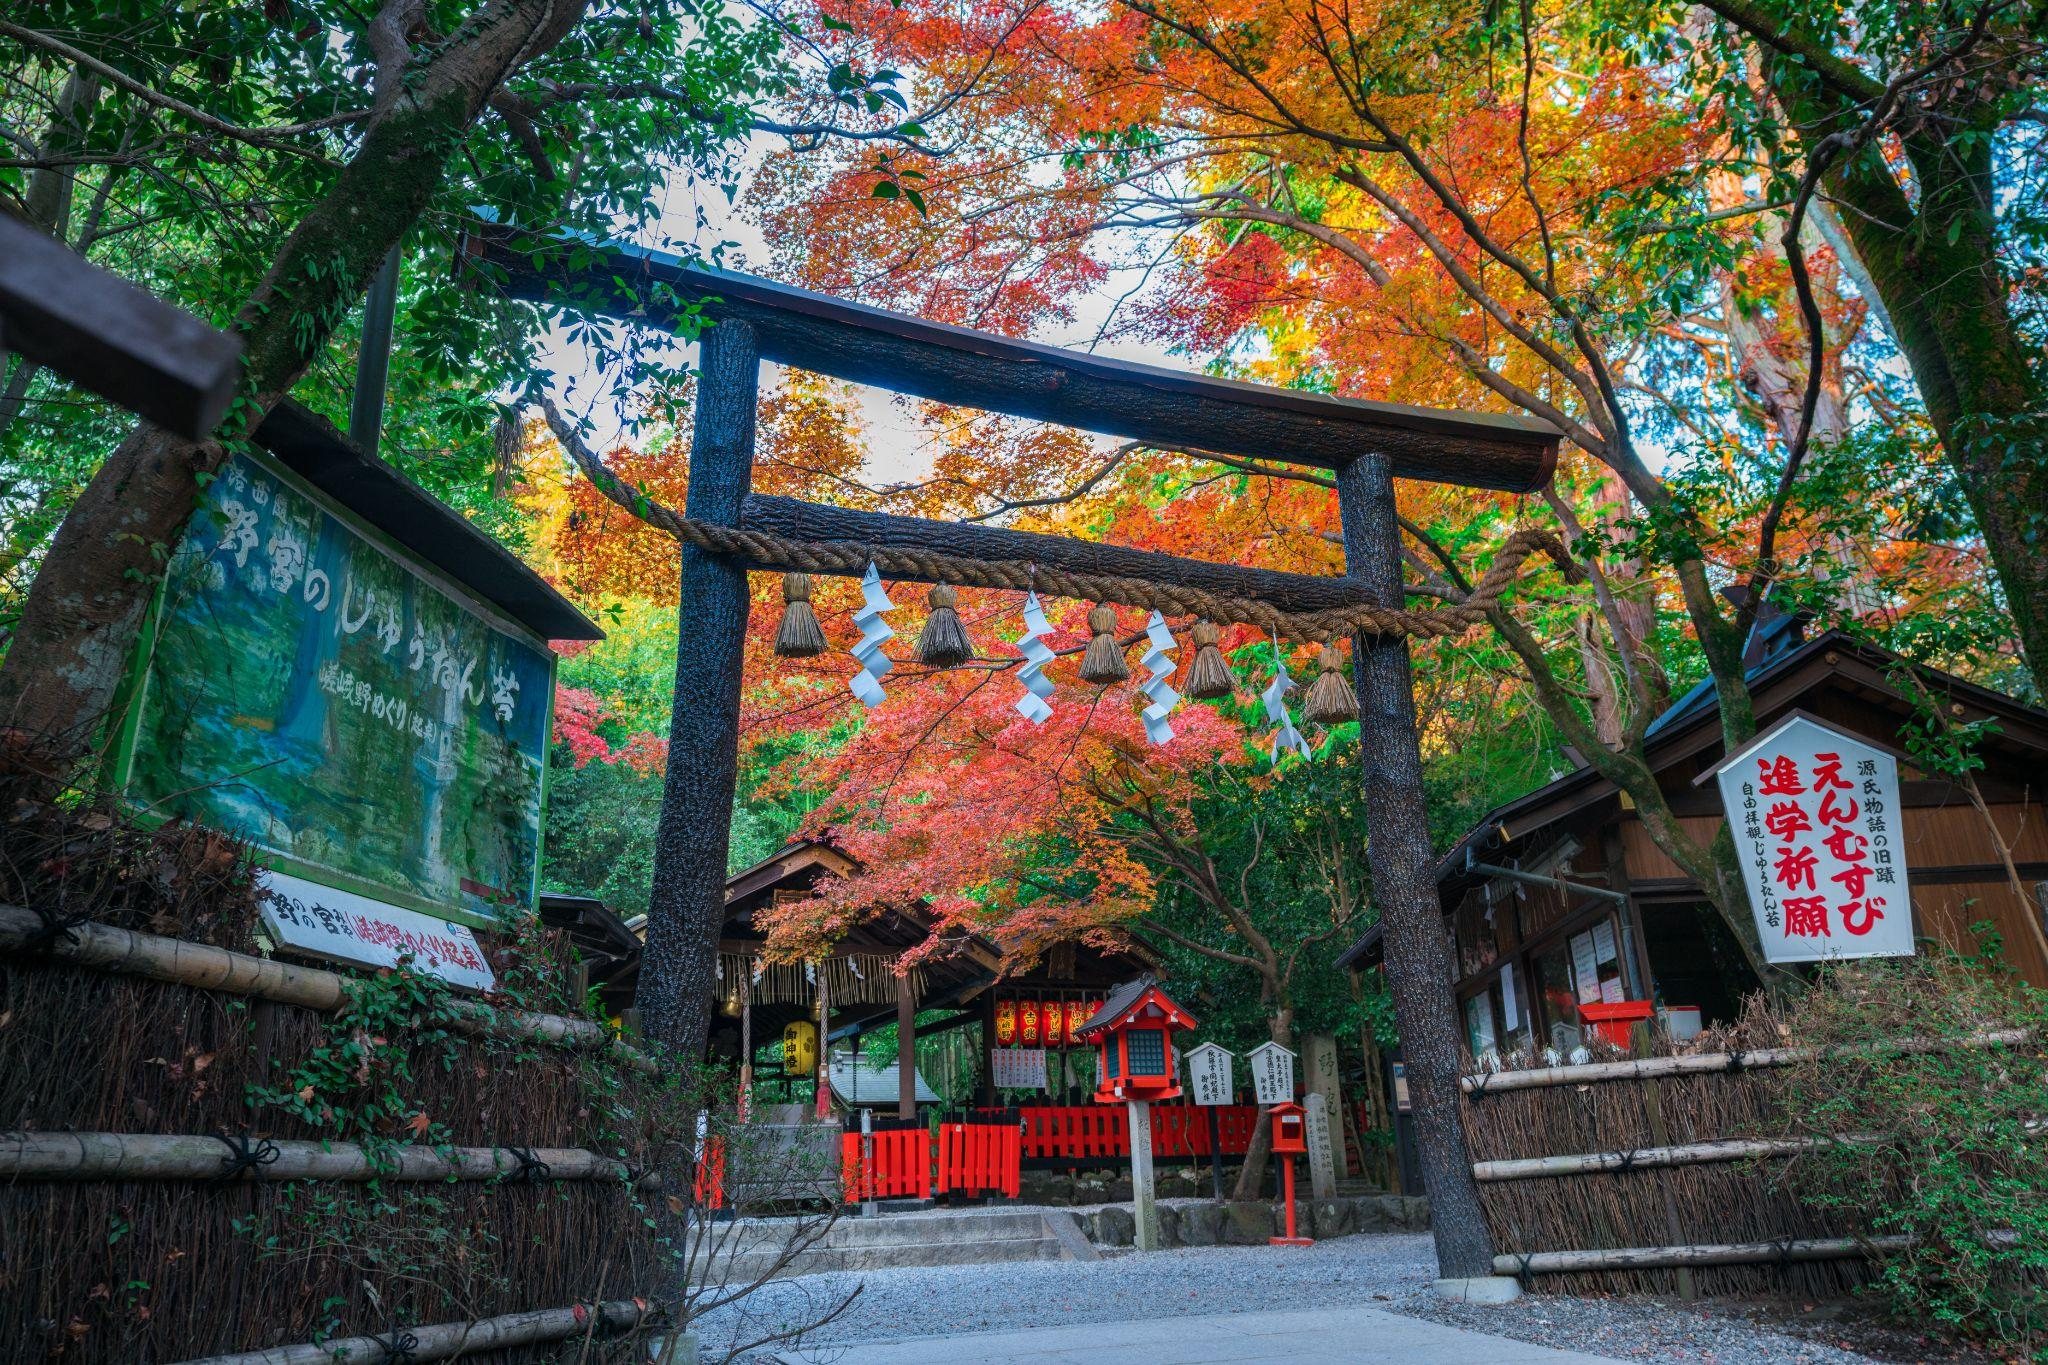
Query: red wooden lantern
x=1027 y=1022
x=1133 y=1037
x=1053 y=1015
x=1078 y=1015
x=1006 y=1022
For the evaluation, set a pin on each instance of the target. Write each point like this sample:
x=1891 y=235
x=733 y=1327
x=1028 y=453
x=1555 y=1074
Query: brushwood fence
x=149 y=1211
x=1663 y=1174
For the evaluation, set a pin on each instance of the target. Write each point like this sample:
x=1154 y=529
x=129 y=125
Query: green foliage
x=1297 y=845
x=601 y=823
x=196 y=206
x=1948 y=1150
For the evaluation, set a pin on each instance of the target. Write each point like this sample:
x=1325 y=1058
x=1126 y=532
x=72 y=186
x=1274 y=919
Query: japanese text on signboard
x=312 y=692
x=1816 y=823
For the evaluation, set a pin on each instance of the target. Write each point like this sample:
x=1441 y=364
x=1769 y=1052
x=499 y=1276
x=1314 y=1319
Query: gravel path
x=1391 y=1272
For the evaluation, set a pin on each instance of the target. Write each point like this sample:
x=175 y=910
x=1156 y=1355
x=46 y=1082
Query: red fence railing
x=979 y=1157
x=901 y=1168
x=1093 y=1132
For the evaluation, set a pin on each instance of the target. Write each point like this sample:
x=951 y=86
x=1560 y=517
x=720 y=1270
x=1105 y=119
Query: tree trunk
x=1258 y=1153
x=1404 y=879
x=1934 y=261
x=83 y=612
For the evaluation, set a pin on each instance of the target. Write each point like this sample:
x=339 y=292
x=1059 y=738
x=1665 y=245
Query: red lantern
x=1079 y=1013
x=1027 y=1022
x=1055 y=1024
x=1134 y=1047
x=1006 y=1022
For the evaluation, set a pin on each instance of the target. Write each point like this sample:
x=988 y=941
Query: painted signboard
x=1019 y=1068
x=367 y=933
x=1272 y=1073
x=1816 y=817
x=314 y=693
x=1209 y=1078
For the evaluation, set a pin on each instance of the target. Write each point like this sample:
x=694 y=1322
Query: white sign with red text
x=1819 y=833
x=354 y=929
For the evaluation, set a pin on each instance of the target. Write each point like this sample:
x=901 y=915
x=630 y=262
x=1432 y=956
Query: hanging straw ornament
x=1285 y=736
x=1209 y=676
x=1330 y=699
x=944 y=642
x=1037 y=687
x=799 y=636
x=874 y=631
x=1104 y=661
x=1159 y=693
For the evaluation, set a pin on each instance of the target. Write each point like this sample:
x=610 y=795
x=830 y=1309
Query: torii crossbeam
x=1366 y=444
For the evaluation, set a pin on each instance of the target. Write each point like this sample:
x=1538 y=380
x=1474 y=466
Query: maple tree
x=1467 y=207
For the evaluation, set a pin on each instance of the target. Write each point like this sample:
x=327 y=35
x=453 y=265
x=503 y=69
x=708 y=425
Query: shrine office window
x=1146 y=1048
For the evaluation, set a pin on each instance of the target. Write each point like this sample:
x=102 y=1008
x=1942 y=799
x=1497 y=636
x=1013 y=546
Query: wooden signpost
x=1272 y=1074
x=1209 y=1077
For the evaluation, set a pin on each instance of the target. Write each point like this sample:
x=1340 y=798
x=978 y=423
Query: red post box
x=1290 y=1140
x=1290 y=1135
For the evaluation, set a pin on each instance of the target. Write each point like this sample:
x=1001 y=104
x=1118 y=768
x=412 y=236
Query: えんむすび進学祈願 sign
x=1818 y=831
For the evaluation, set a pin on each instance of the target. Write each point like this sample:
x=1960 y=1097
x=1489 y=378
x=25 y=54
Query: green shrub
x=1940 y=1141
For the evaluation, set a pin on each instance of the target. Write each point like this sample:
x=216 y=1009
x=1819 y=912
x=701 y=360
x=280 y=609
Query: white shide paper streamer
x=1158 y=661
x=1037 y=687
x=874 y=631
x=1285 y=736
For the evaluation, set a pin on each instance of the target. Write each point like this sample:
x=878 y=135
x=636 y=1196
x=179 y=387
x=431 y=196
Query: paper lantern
x=1027 y=1022
x=1079 y=1013
x=799 y=1047
x=1055 y=1013
x=1006 y=1022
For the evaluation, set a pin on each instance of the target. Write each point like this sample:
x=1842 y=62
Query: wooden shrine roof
x=314 y=449
x=1833 y=669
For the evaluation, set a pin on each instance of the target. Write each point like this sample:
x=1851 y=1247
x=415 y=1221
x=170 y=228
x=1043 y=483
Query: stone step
x=820 y=1259
x=853 y=1230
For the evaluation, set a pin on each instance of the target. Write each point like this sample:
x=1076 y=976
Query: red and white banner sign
x=1819 y=833
x=367 y=933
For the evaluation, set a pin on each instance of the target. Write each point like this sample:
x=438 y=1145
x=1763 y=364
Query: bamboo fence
x=1664 y=1174
x=148 y=1213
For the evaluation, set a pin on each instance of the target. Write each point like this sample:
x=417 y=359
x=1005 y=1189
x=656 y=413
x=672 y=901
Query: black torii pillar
x=1404 y=872
x=686 y=911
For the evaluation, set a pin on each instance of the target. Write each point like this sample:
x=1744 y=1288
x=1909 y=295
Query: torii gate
x=1367 y=445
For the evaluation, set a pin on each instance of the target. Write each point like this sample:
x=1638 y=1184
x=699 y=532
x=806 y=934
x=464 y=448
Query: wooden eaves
x=959 y=365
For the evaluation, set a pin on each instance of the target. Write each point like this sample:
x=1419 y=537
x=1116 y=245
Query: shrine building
x=1566 y=918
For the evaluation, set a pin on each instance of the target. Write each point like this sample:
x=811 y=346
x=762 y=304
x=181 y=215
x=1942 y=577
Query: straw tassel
x=1330 y=699
x=1104 y=661
x=799 y=636
x=1209 y=676
x=944 y=642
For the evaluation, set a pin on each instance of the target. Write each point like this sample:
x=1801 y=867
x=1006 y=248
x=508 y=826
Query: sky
x=698 y=215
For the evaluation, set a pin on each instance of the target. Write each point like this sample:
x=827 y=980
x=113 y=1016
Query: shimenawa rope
x=851 y=558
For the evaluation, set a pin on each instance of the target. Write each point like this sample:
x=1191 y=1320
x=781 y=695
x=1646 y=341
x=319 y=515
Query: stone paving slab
x=1304 y=1337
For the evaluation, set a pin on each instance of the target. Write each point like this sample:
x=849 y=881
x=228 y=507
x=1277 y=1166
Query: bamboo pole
x=1687 y=1154
x=1710 y=1063
x=151 y=1156
x=103 y=947
x=1723 y=1253
x=443 y=1340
